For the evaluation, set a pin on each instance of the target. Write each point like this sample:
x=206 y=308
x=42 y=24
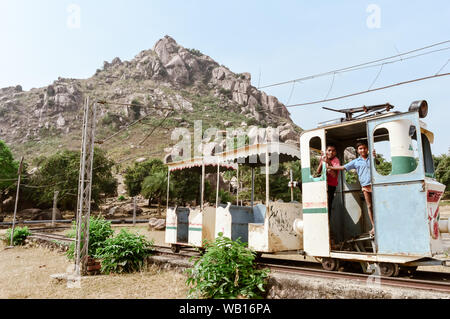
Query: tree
x=155 y=186
x=443 y=170
x=60 y=172
x=8 y=173
x=135 y=175
x=382 y=166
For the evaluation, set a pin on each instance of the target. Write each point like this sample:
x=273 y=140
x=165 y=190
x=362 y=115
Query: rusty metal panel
x=434 y=190
x=277 y=233
x=201 y=226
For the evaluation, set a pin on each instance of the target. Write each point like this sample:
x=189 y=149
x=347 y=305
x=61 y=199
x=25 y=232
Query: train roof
x=254 y=155
x=348 y=126
x=210 y=163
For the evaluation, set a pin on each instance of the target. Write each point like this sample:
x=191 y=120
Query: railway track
x=424 y=280
x=436 y=282
x=442 y=284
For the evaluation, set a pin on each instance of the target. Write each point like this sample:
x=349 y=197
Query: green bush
x=226 y=197
x=99 y=231
x=121 y=198
x=125 y=252
x=20 y=234
x=226 y=270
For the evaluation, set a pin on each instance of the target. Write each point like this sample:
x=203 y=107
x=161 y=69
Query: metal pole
x=55 y=201
x=81 y=188
x=19 y=173
x=253 y=185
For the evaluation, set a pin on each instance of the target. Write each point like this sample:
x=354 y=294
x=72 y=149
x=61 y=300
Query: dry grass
x=25 y=273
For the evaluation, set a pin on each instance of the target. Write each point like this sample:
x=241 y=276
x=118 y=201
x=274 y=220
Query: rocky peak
x=167 y=75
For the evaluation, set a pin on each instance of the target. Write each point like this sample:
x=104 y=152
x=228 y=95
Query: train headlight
x=419 y=106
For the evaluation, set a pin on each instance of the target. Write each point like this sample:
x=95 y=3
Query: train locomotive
x=408 y=227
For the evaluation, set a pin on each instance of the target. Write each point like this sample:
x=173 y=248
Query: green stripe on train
x=322 y=210
x=403 y=165
x=195 y=229
x=307 y=178
x=171 y=227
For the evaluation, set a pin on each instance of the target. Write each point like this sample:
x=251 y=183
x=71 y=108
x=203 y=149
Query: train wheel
x=175 y=248
x=408 y=270
x=330 y=264
x=389 y=270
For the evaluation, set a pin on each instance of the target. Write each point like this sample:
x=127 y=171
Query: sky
x=275 y=41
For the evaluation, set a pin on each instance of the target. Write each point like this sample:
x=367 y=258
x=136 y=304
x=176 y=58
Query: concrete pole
x=237 y=182
x=55 y=202
x=203 y=185
x=19 y=173
x=168 y=189
x=267 y=178
x=218 y=182
x=292 y=186
x=134 y=211
x=253 y=185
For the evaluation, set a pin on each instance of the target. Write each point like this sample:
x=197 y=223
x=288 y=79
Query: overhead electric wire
x=371 y=90
x=358 y=66
x=129 y=125
x=157 y=126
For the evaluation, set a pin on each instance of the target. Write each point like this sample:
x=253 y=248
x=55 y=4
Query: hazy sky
x=273 y=40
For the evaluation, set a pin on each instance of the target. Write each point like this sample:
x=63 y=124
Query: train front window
x=395 y=144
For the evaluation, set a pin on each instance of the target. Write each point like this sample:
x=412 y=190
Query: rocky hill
x=43 y=120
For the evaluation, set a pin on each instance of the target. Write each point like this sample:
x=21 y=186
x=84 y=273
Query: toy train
x=405 y=201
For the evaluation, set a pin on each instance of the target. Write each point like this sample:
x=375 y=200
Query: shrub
x=20 y=234
x=226 y=270
x=121 y=198
x=226 y=196
x=125 y=252
x=99 y=231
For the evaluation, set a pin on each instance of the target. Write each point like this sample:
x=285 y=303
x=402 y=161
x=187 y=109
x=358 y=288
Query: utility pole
x=292 y=185
x=55 y=201
x=19 y=173
x=84 y=187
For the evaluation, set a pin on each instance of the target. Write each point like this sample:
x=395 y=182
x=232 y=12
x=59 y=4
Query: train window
x=395 y=144
x=351 y=177
x=315 y=147
x=382 y=147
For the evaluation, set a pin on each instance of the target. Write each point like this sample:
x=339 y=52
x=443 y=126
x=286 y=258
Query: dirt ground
x=25 y=273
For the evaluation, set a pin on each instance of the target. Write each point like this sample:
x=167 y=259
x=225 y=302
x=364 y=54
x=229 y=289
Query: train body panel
x=177 y=225
x=201 y=226
x=400 y=219
x=276 y=233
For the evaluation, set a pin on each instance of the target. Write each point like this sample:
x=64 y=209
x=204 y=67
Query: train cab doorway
x=349 y=216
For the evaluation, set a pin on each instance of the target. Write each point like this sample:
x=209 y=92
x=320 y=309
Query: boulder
x=126 y=209
x=47 y=215
x=157 y=224
x=288 y=135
